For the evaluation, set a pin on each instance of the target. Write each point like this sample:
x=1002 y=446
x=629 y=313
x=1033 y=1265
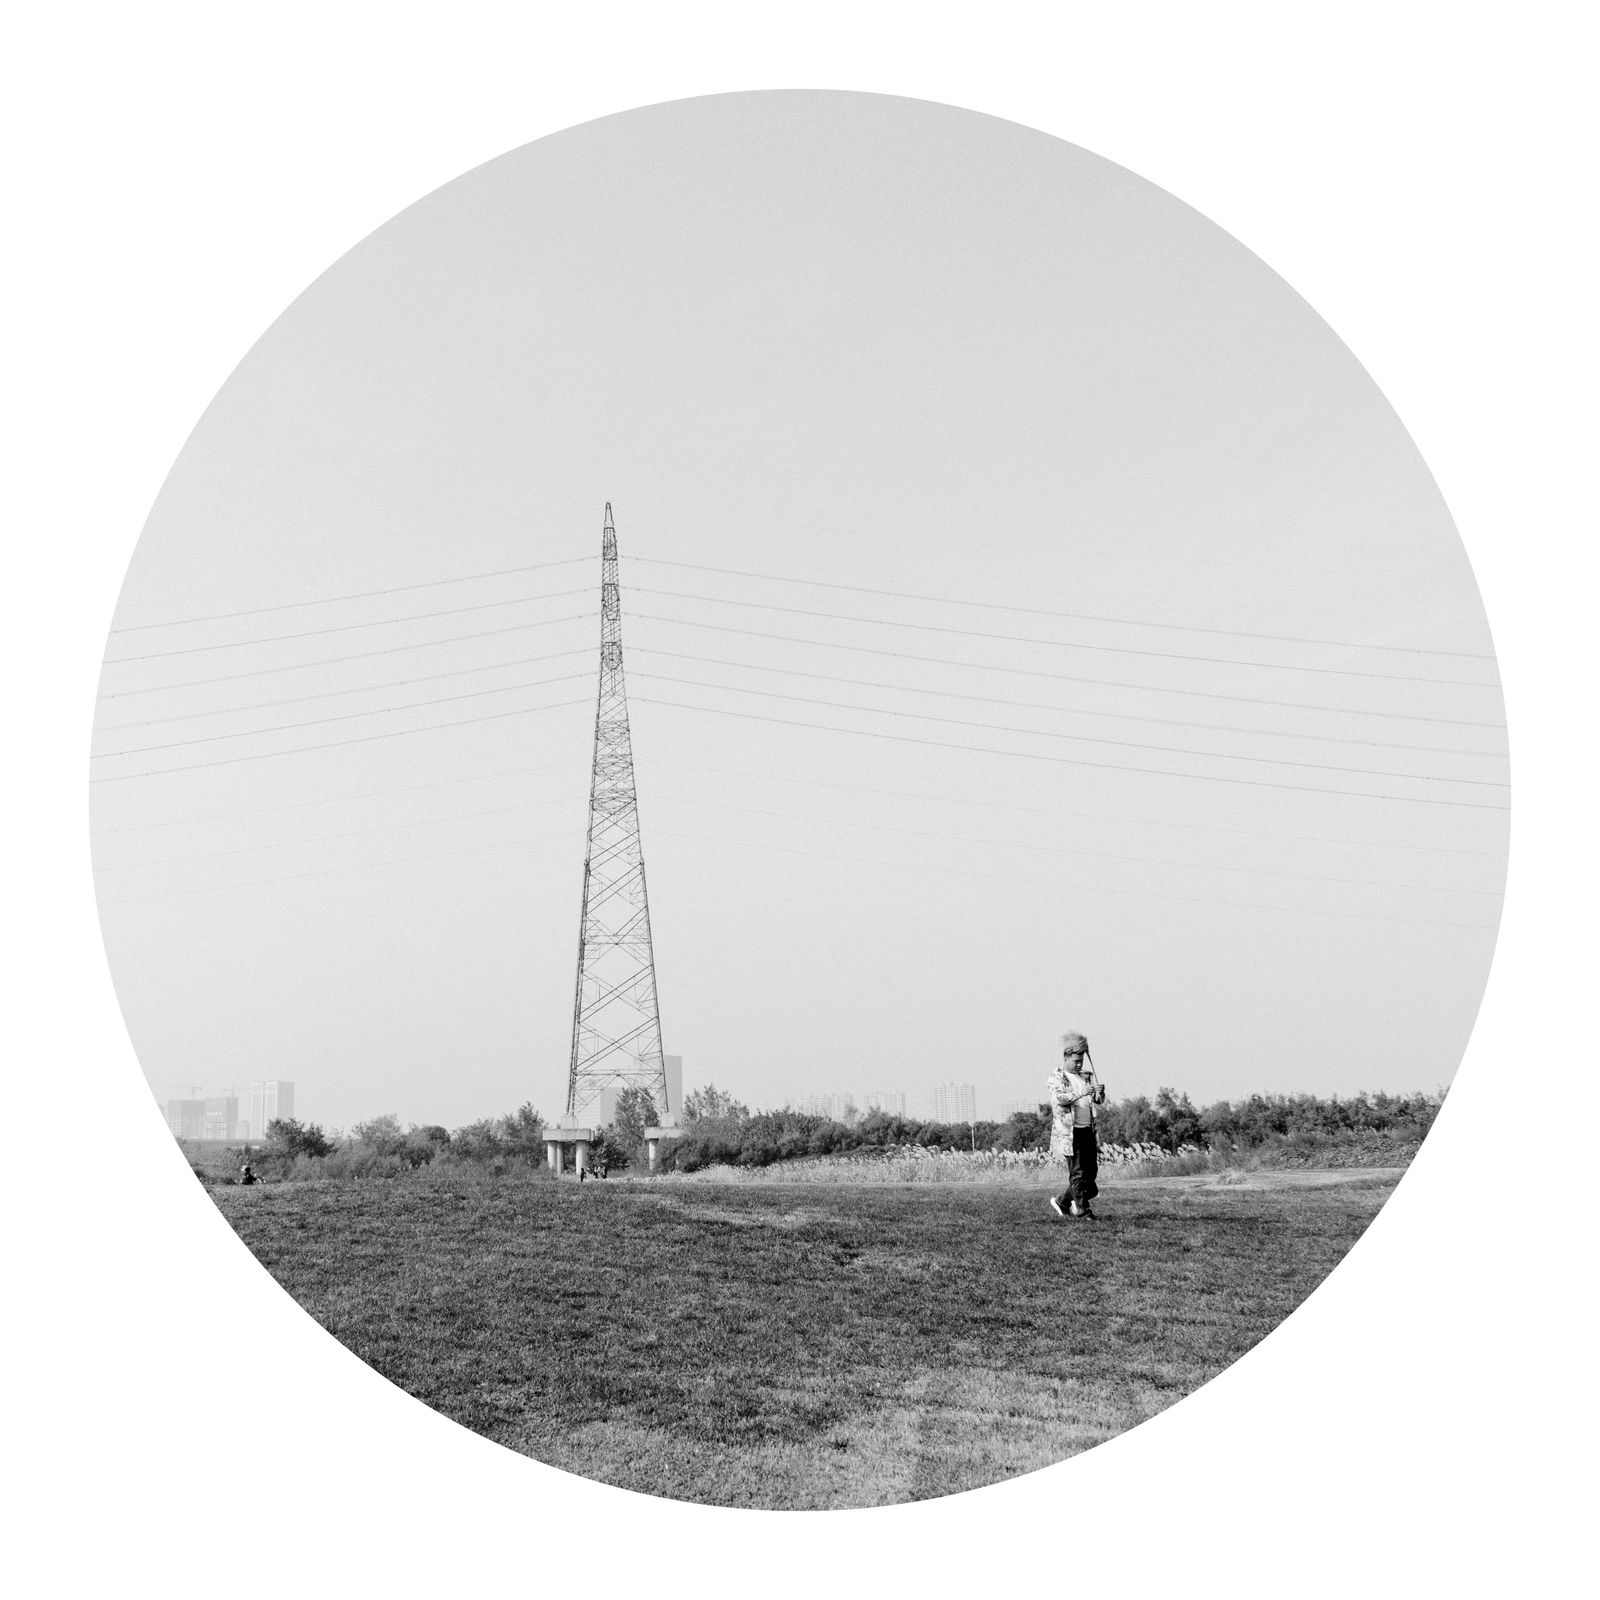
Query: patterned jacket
x=1073 y=1098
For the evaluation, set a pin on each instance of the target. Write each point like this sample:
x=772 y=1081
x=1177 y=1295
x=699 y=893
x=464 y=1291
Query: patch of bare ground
x=1267 y=1178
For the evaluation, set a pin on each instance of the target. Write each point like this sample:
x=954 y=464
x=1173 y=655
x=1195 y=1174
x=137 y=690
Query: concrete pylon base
x=556 y=1141
x=654 y=1138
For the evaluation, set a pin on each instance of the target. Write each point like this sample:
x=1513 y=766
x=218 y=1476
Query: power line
x=334 y=694
x=348 y=627
x=1067 y=677
x=1065 y=616
x=1077 y=761
x=1033 y=883
x=1080 y=738
x=344 y=716
x=334 y=800
x=897 y=655
x=1075 y=711
x=1087 y=816
x=336 y=599
x=347 y=833
x=767 y=577
x=360 y=866
x=359 y=655
x=1063 y=644
x=824 y=677
x=986 y=803
x=921 y=833
x=334 y=744
x=1093 y=855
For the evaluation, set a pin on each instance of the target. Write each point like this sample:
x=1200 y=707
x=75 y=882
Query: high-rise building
x=221 y=1119
x=269 y=1102
x=835 y=1106
x=851 y=1107
x=952 y=1102
x=187 y=1118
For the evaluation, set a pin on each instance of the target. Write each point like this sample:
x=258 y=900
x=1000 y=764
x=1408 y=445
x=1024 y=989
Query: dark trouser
x=1083 y=1167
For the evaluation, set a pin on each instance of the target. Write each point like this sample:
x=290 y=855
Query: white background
x=1422 y=174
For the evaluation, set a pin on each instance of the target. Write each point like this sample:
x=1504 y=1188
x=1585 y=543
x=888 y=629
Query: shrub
x=711 y=1104
x=1271 y=1120
x=610 y=1153
x=1170 y=1121
x=381 y=1133
x=522 y=1132
x=289 y=1138
x=422 y=1145
x=349 y=1161
x=636 y=1111
x=1024 y=1130
x=478 y=1141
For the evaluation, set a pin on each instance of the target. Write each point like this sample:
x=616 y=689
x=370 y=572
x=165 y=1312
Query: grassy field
x=796 y=1347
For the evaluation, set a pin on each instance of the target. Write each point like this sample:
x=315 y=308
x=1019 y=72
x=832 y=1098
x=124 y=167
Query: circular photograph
x=799 y=800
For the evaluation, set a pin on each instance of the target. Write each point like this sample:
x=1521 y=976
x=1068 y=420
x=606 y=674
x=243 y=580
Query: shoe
x=1074 y=1210
x=1055 y=1206
x=1088 y=1211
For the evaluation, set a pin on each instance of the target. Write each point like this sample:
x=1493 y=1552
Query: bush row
x=1168 y=1124
x=382 y=1148
x=718 y=1131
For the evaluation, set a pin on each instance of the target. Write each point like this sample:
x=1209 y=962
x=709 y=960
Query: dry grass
x=800 y=1345
x=915 y=1164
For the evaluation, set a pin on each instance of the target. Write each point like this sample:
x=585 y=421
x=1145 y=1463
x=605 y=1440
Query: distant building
x=838 y=1107
x=221 y=1117
x=214 y=1118
x=952 y=1102
x=674 y=1071
x=1024 y=1107
x=269 y=1102
x=187 y=1118
x=850 y=1108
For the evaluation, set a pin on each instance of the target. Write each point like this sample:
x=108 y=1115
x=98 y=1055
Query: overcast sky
x=1034 y=618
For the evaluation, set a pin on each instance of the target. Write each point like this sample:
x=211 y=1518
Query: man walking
x=1075 y=1091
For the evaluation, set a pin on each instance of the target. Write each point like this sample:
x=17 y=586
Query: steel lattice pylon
x=616 y=1019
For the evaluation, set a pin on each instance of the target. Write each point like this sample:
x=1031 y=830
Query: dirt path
x=1264 y=1178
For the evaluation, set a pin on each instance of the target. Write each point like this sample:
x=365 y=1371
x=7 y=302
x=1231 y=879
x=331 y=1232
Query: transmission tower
x=616 y=1020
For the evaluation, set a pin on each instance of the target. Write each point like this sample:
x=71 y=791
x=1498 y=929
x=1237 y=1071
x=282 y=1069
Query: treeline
x=382 y=1148
x=733 y=1135
x=719 y=1130
x=1172 y=1120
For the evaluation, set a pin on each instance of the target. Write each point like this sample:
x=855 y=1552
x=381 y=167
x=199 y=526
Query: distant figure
x=1075 y=1091
x=246 y=1176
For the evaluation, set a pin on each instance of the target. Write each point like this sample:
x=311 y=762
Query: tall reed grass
x=918 y=1164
